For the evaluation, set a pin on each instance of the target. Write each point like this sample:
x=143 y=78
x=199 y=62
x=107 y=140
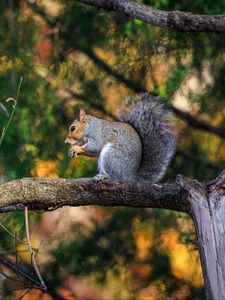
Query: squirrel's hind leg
x=103 y=174
x=116 y=162
x=101 y=177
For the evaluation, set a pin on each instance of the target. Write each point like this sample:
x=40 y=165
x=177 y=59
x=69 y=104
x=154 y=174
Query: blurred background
x=72 y=56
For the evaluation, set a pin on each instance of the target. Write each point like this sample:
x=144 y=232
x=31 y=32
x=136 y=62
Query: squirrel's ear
x=83 y=116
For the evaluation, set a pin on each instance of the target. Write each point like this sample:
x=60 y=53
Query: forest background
x=71 y=56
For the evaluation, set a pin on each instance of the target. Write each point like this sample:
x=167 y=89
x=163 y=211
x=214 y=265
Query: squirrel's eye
x=72 y=128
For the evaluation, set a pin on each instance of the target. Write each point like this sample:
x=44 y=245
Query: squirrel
x=136 y=148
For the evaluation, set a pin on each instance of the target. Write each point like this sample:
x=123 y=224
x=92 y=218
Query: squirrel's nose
x=66 y=141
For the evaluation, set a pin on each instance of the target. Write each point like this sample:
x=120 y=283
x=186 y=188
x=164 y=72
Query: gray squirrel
x=137 y=148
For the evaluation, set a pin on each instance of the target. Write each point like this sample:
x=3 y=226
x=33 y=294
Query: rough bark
x=207 y=209
x=205 y=204
x=49 y=194
x=176 y=20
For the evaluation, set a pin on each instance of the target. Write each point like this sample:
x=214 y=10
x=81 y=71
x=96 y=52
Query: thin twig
x=24 y=294
x=4 y=130
x=14 y=236
x=31 y=250
x=11 y=266
x=17 y=264
x=13 y=289
x=4 y=109
x=9 y=277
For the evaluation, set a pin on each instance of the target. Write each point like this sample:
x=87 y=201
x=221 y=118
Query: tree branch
x=177 y=20
x=135 y=86
x=49 y=194
x=193 y=159
x=200 y=124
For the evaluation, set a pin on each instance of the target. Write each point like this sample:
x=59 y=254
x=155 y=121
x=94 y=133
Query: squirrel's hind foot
x=101 y=177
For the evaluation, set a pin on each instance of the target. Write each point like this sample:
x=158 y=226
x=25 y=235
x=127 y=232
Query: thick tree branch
x=48 y=194
x=177 y=20
x=205 y=204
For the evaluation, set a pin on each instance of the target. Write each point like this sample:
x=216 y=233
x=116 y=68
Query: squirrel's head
x=76 y=131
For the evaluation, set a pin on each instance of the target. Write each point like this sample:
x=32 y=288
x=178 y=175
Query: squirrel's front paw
x=72 y=153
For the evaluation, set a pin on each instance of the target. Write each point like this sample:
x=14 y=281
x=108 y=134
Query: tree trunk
x=207 y=209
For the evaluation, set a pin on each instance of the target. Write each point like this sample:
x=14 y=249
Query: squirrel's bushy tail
x=147 y=114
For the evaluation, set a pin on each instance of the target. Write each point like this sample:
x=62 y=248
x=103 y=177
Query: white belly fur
x=101 y=158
